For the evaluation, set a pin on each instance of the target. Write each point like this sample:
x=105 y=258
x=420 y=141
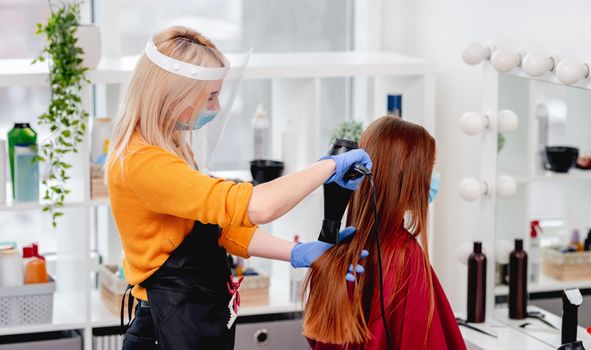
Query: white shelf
x=549 y=77
x=572 y=175
x=261 y=66
x=64 y=318
x=38 y=206
x=546 y=284
x=334 y=64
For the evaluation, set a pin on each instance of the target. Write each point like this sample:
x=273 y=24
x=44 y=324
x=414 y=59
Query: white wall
x=438 y=30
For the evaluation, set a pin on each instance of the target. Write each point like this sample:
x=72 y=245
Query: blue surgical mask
x=434 y=188
x=204 y=117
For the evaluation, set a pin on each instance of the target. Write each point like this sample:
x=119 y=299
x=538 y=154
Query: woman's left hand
x=304 y=254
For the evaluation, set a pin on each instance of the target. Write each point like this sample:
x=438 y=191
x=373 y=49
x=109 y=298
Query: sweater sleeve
x=164 y=183
x=236 y=240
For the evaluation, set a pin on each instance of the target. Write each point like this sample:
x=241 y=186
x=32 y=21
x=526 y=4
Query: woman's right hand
x=344 y=162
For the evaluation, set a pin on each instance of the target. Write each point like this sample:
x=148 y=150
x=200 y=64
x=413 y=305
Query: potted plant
x=348 y=130
x=65 y=117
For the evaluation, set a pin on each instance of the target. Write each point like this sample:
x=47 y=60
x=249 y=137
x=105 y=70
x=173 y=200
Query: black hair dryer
x=336 y=197
x=571 y=300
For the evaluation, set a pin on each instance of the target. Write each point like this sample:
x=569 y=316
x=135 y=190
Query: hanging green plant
x=65 y=116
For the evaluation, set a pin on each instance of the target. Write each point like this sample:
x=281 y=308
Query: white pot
x=89 y=40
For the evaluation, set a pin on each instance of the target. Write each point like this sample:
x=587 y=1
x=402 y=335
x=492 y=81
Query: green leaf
x=65 y=116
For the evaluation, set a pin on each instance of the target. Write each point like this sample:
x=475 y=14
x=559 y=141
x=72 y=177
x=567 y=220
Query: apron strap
x=130 y=301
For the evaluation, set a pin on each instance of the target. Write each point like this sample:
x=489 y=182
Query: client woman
x=417 y=313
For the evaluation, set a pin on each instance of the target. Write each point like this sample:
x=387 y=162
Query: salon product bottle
x=476 y=285
x=36 y=254
x=394 y=107
x=102 y=159
x=239 y=266
x=518 y=282
x=588 y=241
x=101 y=133
x=21 y=134
x=27 y=256
x=11 y=271
x=26 y=174
x=261 y=126
x=534 y=250
x=575 y=241
x=36 y=271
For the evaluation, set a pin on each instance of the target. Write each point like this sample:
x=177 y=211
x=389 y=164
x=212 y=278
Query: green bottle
x=21 y=134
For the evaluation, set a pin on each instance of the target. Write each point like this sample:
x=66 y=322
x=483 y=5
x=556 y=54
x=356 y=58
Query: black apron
x=190 y=295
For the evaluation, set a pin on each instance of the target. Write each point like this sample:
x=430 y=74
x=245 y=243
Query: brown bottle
x=476 y=285
x=518 y=282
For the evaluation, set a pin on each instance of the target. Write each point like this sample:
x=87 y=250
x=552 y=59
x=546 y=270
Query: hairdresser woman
x=177 y=223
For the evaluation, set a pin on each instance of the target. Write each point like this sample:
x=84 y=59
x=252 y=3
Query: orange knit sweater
x=157 y=198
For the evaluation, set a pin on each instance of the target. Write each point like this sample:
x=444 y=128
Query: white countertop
x=538 y=336
x=541 y=331
x=546 y=284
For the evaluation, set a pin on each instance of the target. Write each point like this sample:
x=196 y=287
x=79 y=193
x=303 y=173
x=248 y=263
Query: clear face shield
x=221 y=75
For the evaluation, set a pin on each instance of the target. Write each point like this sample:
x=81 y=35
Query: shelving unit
x=15 y=72
x=38 y=206
x=542 y=194
x=572 y=175
x=539 y=194
x=296 y=79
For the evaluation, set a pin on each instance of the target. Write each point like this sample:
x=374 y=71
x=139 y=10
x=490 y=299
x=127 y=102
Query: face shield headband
x=185 y=69
x=208 y=123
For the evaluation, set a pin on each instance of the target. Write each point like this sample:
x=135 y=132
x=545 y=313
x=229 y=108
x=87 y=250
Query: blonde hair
x=155 y=97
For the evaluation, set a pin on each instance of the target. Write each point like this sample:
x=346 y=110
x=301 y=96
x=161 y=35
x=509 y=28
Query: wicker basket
x=27 y=304
x=574 y=266
x=111 y=288
x=254 y=291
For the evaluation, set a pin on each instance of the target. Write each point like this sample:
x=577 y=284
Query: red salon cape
x=407 y=322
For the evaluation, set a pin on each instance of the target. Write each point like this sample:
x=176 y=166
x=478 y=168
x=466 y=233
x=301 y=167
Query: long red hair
x=403 y=155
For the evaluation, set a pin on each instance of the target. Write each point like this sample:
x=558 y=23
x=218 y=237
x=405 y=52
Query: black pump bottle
x=518 y=282
x=476 y=285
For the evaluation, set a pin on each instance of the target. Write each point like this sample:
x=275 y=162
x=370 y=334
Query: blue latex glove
x=304 y=254
x=359 y=269
x=344 y=162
